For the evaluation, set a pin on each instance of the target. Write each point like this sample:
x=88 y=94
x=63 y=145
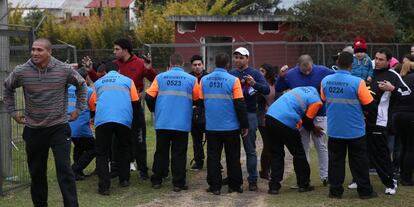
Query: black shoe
x=306 y=189
x=372 y=195
x=124 y=183
x=197 y=166
x=238 y=190
x=407 y=183
x=253 y=187
x=335 y=196
x=215 y=192
x=156 y=186
x=143 y=175
x=104 y=192
x=225 y=181
x=325 y=182
x=273 y=191
x=78 y=177
x=178 y=189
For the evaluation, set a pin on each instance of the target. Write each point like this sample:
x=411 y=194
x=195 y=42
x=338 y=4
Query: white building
x=59 y=8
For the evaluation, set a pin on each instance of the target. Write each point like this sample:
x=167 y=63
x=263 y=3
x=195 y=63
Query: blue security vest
x=217 y=90
x=344 y=110
x=291 y=106
x=80 y=127
x=174 y=105
x=113 y=99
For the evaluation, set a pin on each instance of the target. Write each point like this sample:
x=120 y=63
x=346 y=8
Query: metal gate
x=13 y=162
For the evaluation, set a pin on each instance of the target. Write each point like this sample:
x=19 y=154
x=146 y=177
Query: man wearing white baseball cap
x=252 y=82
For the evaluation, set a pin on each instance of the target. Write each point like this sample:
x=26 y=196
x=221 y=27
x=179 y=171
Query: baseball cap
x=242 y=51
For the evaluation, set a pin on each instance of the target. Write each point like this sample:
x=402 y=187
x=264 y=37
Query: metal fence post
x=5 y=123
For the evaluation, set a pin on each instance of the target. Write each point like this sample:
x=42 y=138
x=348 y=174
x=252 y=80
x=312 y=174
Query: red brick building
x=231 y=32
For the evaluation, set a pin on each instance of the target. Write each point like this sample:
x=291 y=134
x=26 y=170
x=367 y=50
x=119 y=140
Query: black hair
x=124 y=44
x=222 y=60
x=410 y=57
x=110 y=66
x=386 y=51
x=271 y=71
x=345 y=60
x=196 y=57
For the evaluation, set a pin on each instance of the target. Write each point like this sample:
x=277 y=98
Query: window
x=268 y=27
x=184 y=27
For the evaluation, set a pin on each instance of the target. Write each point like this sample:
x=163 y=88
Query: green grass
x=319 y=197
x=139 y=192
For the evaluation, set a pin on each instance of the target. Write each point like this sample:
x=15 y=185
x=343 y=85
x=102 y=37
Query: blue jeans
x=249 y=144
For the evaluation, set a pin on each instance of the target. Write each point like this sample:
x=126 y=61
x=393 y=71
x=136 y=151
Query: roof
x=109 y=3
x=40 y=4
x=239 y=18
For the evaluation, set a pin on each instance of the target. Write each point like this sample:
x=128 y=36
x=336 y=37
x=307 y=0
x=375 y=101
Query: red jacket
x=133 y=68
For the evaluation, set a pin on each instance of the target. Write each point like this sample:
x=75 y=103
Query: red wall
x=241 y=31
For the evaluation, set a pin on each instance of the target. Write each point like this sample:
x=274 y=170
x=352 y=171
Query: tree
x=342 y=20
x=155 y=27
x=404 y=11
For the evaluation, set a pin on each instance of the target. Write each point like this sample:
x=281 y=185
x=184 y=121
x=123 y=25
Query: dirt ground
x=196 y=195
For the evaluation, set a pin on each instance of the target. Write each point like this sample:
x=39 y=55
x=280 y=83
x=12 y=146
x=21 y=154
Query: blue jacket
x=344 y=94
x=294 y=78
x=362 y=68
x=293 y=105
x=218 y=91
x=113 y=95
x=80 y=127
x=261 y=86
x=174 y=91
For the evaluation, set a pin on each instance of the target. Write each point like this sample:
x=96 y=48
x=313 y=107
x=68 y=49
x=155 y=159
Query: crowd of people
x=361 y=107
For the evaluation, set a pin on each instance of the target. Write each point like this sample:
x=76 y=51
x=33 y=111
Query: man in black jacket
x=198 y=121
x=386 y=85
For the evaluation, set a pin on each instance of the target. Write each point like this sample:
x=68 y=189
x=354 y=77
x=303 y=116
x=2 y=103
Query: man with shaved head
x=305 y=73
x=45 y=81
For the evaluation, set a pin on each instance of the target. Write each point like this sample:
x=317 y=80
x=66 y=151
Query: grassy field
x=140 y=192
x=319 y=197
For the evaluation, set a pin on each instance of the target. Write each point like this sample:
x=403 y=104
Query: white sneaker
x=392 y=191
x=132 y=167
x=352 y=186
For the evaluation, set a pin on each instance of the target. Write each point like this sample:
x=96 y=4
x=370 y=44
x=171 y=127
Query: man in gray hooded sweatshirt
x=45 y=81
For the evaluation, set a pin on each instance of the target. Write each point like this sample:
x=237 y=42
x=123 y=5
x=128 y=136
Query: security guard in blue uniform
x=283 y=118
x=347 y=94
x=81 y=132
x=113 y=118
x=171 y=96
x=226 y=114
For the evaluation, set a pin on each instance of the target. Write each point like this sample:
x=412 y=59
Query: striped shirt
x=45 y=92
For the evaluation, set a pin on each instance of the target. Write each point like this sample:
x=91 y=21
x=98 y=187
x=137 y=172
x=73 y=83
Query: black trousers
x=379 y=154
x=104 y=135
x=230 y=140
x=279 y=136
x=358 y=163
x=404 y=124
x=177 y=141
x=38 y=141
x=197 y=132
x=265 y=157
x=139 y=143
x=83 y=153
